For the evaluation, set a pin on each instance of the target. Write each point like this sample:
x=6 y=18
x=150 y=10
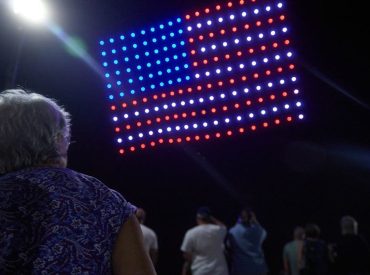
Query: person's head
x=348 y=225
x=140 y=215
x=298 y=233
x=34 y=131
x=246 y=215
x=203 y=215
x=312 y=231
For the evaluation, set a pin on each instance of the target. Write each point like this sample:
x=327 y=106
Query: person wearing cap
x=203 y=246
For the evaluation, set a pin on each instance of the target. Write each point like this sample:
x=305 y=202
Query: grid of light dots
x=219 y=71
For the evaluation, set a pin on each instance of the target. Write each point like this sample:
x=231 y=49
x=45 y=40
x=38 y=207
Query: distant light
x=32 y=10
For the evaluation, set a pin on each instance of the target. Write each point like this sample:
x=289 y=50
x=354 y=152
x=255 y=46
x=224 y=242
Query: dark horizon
x=316 y=170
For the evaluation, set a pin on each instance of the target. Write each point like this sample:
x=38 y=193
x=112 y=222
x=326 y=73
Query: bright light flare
x=34 y=11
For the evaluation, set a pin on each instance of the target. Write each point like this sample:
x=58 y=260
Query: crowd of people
x=54 y=220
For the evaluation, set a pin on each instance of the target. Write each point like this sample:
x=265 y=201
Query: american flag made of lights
x=215 y=72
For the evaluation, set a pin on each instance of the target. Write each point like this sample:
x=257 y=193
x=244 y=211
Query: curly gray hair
x=31 y=128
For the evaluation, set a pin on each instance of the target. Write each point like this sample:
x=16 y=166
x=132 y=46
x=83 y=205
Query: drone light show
x=219 y=71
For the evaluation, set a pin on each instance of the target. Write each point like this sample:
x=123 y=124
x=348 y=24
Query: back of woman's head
x=31 y=129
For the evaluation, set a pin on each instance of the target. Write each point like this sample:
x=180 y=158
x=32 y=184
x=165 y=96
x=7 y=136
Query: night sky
x=312 y=171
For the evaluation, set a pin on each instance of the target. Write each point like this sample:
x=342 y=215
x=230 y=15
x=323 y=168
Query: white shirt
x=206 y=244
x=150 y=238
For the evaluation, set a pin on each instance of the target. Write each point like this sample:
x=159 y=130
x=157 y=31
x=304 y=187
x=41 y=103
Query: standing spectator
x=292 y=252
x=352 y=253
x=315 y=253
x=203 y=246
x=245 y=240
x=150 y=237
x=54 y=220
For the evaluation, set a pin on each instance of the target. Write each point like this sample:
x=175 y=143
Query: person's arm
x=129 y=256
x=187 y=263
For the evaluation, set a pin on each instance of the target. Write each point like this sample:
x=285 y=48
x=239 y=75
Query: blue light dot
x=106 y=75
x=178 y=20
x=150 y=75
x=101 y=42
x=161 y=84
x=152 y=29
x=118 y=72
x=141 y=78
x=142 y=89
x=182 y=43
x=148 y=64
x=172 y=34
x=175 y=57
x=165 y=48
x=161 y=26
x=114 y=51
x=170 y=81
x=105 y=64
x=170 y=23
x=169 y=71
x=109 y=86
x=134 y=46
x=128 y=70
x=152 y=86
x=115 y=62
x=142 y=32
x=180 y=31
x=167 y=59
x=124 y=48
x=156 y=51
x=119 y=82
x=146 y=53
x=177 y=68
x=179 y=79
x=163 y=37
x=145 y=43
x=138 y=67
x=132 y=34
x=121 y=94
x=122 y=37
x=183 y=54
x=160 y=73
x=186 y=66
x=103 y=53
x=173 y=45
x=187 y=77
x=130 y=81
x=127 y=59
x=111 y=40
x=137 y=56
x=132 y=92
x=158 y=62
x=154 y=40
x=111 y=97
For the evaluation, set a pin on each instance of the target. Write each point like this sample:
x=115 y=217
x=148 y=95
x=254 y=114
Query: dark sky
x=314 y=171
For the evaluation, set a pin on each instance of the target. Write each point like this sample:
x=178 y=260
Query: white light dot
x=254 y=63
x=260 y=35
x=272 y=33
x=244 y=14
x=277 y=57
x=265 y=60
x=207 y=73
x=218 y=71
x=284 y=29
x=213 y=47
x=249 y=38
x=125 y=115
x=269 y=84
x=211 y=98
x=130 y=138
x=197 y=75
x=186 y=126
x=251 y=115
x=294 y=79
x=191 y=101
x=263 y=112
x=177 y=128
x=282 y=81
x=203 y=49
x=169 y=129
x=140 y=135
x=279 y=5
x=182 y=103
x=241 y=66
x=205 y=124
x=156 y=108
x=222 y=95
x=258 y=88
x=201 y=100
x=220 y=19
x=224 y=44
x=274 y=109
x=298 y=104
x=296 y=91
x=289 y=54
x=195 y=126
x=236 y=41
x=115 y=118
x=246 y=90
x=209 y=22
x=150 y=133
x=227 y=120
x=215 y=122
x=165 y=106
x=256 y=11
x=286 y=106
x=189 y=28
x=300 y=116
x=239 y=118
x=268 y=8
x=229 y=69
x=232 y=16
x=199 y=25
x=160 y=131
x=119 y=140
x=146 y=111
x=234 y=93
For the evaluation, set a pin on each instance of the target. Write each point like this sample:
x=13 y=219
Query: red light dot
x=263 y=48
x=124 y=105
x=224 y=108
x=163 y=95
x=152 y=143
x=161 y=140
x=284 y=94
x=255 y=75
x=227 y=56
x=191 y=40
x=236 y=106
x=199 y=88
x=241 y=2
x=230 y=4
x=172 y=93
x=197 y=137
x=244 y=78
x=291 y=66
x=218 y=135
x=213 y=110
x=145 y=99
x=187 y=16
x=218 y=7
x=134 y=102
x=179 y=140
x=239 y=53
x=241 y=130
x=272 y=97
x=117 y=129
x=270 y=20
x=248 y=102
x=197 y=13
x=222 y=31
x=158 y=120
x=128 y=127
x=251 y=50
x=148 y=122
x=220 y=83
x=138 y=124
x=231 y=81
x=132 y=148
x=265 y=124
x=268 y=72
x=253 y=127
x=142 y=146
x=201 y=37
x=277 y=121
x=192 y=52
x=180 y=92
x=121 y=151
x=203 y=112
x=229 y=133
x=190 y=90
x=207 y=136
x=187 y=138
x=215 y=58
x=184 y=115
x=195 y=64
x=205 y=61
x=234 y=29
x=211 y=34
x=258 y=23
x=280 y=69
x=155 y=97
x=246 y=26
x=167 y=118
x=282 y=17
x=170 y=140
x=193 y=113
x=209 y=85
x=286 y=42
x=206 y=10
x=289 y=118
x=275 y=45
x=260 y=100
x=175 y=116
x=113 y=108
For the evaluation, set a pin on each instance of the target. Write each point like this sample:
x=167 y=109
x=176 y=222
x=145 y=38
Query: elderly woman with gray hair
x=54 y=220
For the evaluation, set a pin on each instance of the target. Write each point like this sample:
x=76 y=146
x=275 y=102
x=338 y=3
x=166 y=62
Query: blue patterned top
x=58 y=221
